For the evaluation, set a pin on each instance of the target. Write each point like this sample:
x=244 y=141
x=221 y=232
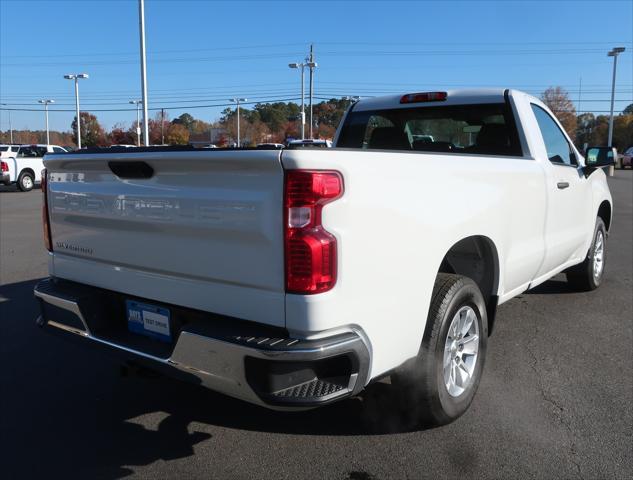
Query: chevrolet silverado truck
x=295 y=278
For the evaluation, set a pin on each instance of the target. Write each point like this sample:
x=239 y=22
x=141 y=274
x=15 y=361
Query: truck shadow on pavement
x=67 y=410
x=552 y=287
x=14 y=189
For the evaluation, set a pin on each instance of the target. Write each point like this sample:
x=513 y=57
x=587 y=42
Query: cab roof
x=453 y=97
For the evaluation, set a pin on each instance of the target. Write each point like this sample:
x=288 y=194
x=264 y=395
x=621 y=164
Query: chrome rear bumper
x=255 y=363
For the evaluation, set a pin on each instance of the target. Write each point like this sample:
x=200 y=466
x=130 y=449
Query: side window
x=558 y=149
x=41 y=151
x=25 y=152
x=59 y=150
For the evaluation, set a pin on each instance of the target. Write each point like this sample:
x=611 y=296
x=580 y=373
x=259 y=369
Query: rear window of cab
x=487 y=129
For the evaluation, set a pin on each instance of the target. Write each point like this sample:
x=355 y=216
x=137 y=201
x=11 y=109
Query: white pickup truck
x=294 y=278
x=23 y=164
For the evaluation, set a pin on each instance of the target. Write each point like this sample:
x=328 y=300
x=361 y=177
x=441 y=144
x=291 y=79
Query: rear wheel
x=440 y=383
x=25 y=182
x=588 y=275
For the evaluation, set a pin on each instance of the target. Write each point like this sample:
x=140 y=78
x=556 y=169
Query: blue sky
x=201 y=53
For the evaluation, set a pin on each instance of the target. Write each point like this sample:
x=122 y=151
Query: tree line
x=277 y=122
x=265 y=122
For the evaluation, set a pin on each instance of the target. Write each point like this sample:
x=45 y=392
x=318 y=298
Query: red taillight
x=4 y=166
x=46 y=224
x=423 y=97
x=310 y=249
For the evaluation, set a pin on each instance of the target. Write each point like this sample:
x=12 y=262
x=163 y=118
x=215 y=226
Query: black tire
x=422 y=379
x=26 y=182
x=584 y=277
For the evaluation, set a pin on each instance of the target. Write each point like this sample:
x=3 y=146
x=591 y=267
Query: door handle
x=562 y=185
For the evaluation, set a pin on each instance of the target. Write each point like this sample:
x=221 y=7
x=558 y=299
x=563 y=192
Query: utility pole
x=312 y=64
x=303 y=107
x=579 y=94
x=45 y=103
x=613 y=53
x=10 y=126
x=162 y=126
x=141 y=14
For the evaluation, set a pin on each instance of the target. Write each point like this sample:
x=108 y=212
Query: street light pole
x=46 y=102
x=10 y=126
x=141 y=14
x=76 y=77
x=138 y=120
x=303 y=111
x=613 y=53
x=237 y=101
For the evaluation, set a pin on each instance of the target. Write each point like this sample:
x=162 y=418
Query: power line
x=153 y=108
x=293 y=44
x=334 y=53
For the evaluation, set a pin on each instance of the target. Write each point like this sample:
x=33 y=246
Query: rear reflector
x=45 y=220
x=310 y=250
x=423 y=97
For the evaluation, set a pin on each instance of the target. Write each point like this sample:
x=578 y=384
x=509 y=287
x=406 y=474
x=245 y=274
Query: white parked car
x=308 y=143
x=297 y=277
x=270 y=146
x=23 y=164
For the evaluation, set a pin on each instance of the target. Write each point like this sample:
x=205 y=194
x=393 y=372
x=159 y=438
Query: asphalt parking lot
x=556 y=400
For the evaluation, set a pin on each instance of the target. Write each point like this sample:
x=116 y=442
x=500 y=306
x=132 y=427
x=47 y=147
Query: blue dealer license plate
x=148 y=320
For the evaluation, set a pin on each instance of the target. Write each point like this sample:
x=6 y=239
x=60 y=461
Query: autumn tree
x=557 y=99
x=586 y=124
x=61 y=138
x=186 y=120
x=158 y=127
x=594 y=131
x=177 y=134
x=276 y=115
x=330 y=113
x=121 y=136
x=623 y=132
x=92 y=134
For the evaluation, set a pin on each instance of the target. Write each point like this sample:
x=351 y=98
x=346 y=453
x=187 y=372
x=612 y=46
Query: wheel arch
x=605 y=213
x=477 y=258
x=27 y=170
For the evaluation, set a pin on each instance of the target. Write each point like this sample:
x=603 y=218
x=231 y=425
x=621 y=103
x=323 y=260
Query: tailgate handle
x=131 y=169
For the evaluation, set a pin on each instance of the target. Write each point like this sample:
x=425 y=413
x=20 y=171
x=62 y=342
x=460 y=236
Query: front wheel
x=588 y=275
x=25 y=182
x=440 y=383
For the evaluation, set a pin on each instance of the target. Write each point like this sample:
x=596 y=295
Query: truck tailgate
x=204 y=231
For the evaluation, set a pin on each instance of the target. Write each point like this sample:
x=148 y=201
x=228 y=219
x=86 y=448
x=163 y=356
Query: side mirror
x=600 y=157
